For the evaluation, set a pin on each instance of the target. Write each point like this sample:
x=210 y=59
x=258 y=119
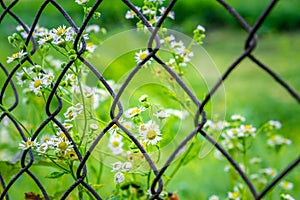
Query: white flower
x=45 y=39
x=63 y=146
x=94 y=127
x=234 y=195
x=130 y=13
x=48 y=79
x=22 y=77
x=149 y=11
x=214 y=197
x=270 y=172
x=277 y=140
x=177 y=113
x=157 y=1
x=286 y=185
x=43 y=148
x=150 y=133
x=275 y=124
x=36 y=85
x=28 y=144
x=73 y=111
x=115 y=144
x=93 y=28
x=255 y=160
x=81 y=1
x=162 y=114
x=171 y=14
x=126 y=167
x=178 y=47
x=16 y=56
x=200 y=28
x=287 y=197
x=168 y=39
x=90 y=47
x=220 y=125
x=238 y=118
x=117 y=166
x=133 y=112
x=247 y=130
x=141 y=55
x=119 y=178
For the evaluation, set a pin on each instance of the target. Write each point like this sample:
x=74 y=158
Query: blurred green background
x=249 y=90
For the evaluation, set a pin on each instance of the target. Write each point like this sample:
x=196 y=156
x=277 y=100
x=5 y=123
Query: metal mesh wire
x=117 y=107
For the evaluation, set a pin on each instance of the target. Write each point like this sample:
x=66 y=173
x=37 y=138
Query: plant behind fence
x=91 y=125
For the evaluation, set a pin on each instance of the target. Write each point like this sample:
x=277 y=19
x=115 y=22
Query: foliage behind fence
x=54 y=102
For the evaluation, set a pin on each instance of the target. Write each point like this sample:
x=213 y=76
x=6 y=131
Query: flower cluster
x=153 y=10
x=120 y=169
x=55 y=146
x=237 y=137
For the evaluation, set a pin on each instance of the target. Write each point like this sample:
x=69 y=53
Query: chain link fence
x=54 y=102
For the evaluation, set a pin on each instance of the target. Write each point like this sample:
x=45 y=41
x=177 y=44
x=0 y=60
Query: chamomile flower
x=157 y=1
x=117 y=166
x=247 y=130
x=162 y=114
x=286 y=185
x=238 y=118
x=132 y=112
x=48 y=79
x=178 y=47
x=287 y=197
x=93 y=28
x=42 y=149
x=28 y=144
x=277 y=140
x=115 y=144
x=36 y=85
x=130 y=13
x=90 y=47
x=214 y=197
x=119 y=178
x=141 y=55
x=150 y=133
x=63 y=146
x=126 y=167
x=16 y=56
x=234 y=195
x=80 y=2
x=275 y=124
x=22 y=77
x=270 y=172
x=171 y=14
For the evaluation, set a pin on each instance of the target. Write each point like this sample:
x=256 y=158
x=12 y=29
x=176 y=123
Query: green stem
x=175 y=170
x=5 y=110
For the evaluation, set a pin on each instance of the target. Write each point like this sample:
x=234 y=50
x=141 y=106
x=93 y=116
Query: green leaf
x=7 y=168
x=55 y=175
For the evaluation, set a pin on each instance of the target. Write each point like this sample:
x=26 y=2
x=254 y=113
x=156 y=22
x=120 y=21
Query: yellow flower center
x=15 y=55
x=89 y=44
x=115 y=143
x=135 y=111
x=235 y=195
x=131 y=12
x=248 y=127
x=61 y=31
x=29 y=143
x=63 y=145
x=187 y=51
x=143 y=55
x=37 y=83
x=151 y=134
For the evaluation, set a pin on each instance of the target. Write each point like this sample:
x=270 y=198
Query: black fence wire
x=116 y=111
